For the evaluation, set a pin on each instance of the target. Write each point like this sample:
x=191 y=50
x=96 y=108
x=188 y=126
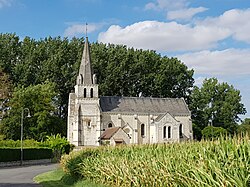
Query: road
x=23 y=176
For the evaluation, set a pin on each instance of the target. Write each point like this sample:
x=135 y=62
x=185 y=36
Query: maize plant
x=221 y=163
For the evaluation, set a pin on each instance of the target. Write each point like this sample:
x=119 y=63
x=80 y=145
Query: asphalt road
x=23 y=176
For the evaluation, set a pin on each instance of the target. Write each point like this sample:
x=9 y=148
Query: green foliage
x=37 y=153
x=42 y=104
x=244 y=128
x=14 y=154
x=26 y=143
x=5 y=94
x=10 y=48
x=218 y=102
x=211 y=132
x=196 y=132
x=129 y=72
x=60 y=145
x=9 y=154
x=224 y=162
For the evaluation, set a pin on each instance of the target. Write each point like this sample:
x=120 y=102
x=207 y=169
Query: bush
x=59 y=145
x=26 y=143
x=211 y=132
x=14 y=154
x=37 y=153
x=9 y=154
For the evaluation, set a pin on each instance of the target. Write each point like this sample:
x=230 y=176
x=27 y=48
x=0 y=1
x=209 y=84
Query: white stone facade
x=145 y=120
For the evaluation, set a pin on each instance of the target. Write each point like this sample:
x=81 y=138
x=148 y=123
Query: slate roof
x=108 y=133
x=144 y=105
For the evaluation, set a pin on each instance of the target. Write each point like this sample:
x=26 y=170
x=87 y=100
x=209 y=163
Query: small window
x=81 y=79
x=164 y=132
x=110 y=125
x=180 y=131
x=169 y=132
x=84 y=92
x=142 y=130
x=88 y=124
x=91 y=92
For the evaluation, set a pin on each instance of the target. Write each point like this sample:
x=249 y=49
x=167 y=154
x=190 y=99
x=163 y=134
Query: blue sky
x=212 y=37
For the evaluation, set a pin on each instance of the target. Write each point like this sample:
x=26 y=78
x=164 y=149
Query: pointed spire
x=85 y=73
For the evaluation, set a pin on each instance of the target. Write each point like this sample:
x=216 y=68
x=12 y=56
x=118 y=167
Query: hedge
x=14 y=154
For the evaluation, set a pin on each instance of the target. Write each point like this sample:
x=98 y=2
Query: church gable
x=166 y=118
x=167 y=127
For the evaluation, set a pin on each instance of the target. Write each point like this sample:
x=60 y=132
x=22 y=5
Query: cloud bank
x=164 y=36
x=225 y=62
x=173 y=36
x=197 y=42
x=175 y=9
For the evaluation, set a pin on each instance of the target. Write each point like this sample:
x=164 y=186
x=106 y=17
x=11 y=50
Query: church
x=95 y=120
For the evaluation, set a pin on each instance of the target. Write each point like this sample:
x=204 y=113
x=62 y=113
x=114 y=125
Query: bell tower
x=86 y=86
x=84 y=110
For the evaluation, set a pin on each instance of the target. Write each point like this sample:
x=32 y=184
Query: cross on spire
x=86 y=32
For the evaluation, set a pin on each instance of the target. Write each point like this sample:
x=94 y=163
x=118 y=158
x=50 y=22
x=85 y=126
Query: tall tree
x=41 y=100
x=10 y=51
x=244 y=127
x=130 y=72
x=5 y=92
x=218 y=102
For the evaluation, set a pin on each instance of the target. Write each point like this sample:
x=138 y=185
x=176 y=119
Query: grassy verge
x=59 y=178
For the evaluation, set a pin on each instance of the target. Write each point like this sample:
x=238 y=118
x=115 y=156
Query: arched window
x=164 y=132
x=88 y=124
x=142 y=130
x=180 y=131
x=80 y=79
x=169 y=132
x=91 y=92
x=110 y=125
x=84 y=92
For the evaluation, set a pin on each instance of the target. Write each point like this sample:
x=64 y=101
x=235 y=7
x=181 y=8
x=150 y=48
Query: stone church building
x=94 y=120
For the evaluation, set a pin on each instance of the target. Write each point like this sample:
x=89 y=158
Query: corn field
x=223 y=162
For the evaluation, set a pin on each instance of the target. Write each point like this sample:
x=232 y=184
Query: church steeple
x=85 y=71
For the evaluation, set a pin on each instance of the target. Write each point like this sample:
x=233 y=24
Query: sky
x=212 y=37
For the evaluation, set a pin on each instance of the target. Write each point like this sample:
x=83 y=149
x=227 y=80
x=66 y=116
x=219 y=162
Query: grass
x=57 y=178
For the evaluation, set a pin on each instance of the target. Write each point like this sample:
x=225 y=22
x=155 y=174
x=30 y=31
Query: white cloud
x=164 y=36
x=75 y=29
x=237 y=21
x=184 y=14
x=226 y=62
x=173 y=36
x=175 y=9
x=167 y=5
x=5 y=3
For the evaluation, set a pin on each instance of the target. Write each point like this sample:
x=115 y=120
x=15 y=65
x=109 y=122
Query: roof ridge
x=127 y=97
